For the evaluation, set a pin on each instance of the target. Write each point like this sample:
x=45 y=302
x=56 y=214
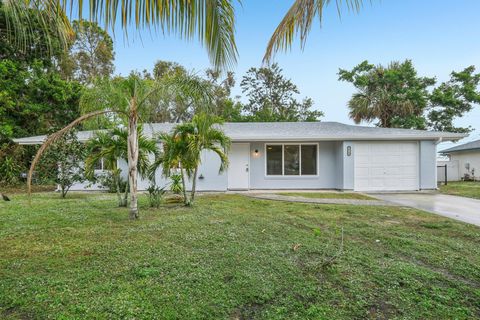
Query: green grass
x=233 y=257
x=468 y=189
x=328 y=195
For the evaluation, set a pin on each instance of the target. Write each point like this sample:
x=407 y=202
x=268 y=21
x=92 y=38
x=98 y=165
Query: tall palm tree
x=110 y=146
x=198 y=135
x=298 y=21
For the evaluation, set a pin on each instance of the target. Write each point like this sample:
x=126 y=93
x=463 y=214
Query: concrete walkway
x=458 y=208
x=278 y=197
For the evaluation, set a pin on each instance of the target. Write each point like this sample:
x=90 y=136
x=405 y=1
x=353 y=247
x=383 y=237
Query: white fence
x=453 y=172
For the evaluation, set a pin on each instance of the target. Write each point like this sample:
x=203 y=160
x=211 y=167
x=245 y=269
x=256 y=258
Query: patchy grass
x=328 y=195
x=233 y=257
x=468 y=189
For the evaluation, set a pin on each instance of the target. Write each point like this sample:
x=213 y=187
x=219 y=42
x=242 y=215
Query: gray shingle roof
x=473 y=145
x=291 y=131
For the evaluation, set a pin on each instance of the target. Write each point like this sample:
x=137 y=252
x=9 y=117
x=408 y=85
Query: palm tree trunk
x=194 y=186
x=125 y=195
x=185 y=199
x=116 y=177
x=133 y=158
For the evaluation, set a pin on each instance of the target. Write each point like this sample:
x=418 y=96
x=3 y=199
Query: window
x=274 y=160
x=101 y=165
x=291 y=159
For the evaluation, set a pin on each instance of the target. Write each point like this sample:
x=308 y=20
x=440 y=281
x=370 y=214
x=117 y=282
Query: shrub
x=155 y=196
x=9 y=171
x=176 y=183
x=107 y=182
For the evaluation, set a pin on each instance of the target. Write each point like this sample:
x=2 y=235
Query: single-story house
x=312 y=155
x=466 y=158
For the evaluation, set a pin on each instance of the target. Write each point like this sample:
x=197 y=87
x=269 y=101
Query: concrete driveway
x=459 y=208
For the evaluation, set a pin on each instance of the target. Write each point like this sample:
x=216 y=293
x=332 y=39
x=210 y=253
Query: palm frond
x=212 y=22
x=299 y=20
x=26 y=18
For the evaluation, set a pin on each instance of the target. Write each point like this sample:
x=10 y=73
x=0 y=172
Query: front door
x=238 y=169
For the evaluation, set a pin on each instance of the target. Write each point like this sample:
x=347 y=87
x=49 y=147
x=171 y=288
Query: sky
x=439 y=36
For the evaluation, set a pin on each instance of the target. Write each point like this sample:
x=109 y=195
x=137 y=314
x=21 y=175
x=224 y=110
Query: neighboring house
x=313 y=155
x=465 y=158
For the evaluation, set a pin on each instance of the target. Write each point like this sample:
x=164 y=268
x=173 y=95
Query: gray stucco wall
x=327 y=170
x=335 y=169
x=212 y=180
x=428 y=164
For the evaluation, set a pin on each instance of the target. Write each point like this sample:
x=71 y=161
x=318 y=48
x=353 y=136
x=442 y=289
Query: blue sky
x=438 y=35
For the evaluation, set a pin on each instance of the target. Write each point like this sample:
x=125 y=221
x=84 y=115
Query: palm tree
x=111 y=146
x=172 y=158
x=298 y=22
x=198 y=135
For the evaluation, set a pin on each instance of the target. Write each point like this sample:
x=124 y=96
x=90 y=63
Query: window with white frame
x=101 y=165
x=289 y=159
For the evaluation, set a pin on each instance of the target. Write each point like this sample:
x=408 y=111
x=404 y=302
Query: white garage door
x=386 y=166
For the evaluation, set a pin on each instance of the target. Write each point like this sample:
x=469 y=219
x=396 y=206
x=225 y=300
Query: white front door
x=238 y=169
x=386 y=166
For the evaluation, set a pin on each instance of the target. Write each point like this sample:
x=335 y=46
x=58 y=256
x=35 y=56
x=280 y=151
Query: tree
x=67 y=155
x=395 y=96
x=272 y=97
x=167 y=68
x=196 y=136
x=224 y=105
x=111 y=146
x=177 y=105
x=33 y=30
x=173 y=158
x=453 y=99
x=91 y=55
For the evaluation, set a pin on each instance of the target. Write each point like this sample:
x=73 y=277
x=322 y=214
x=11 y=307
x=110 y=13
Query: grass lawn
x=232 y=257
x=468 y=189
x=328 y=195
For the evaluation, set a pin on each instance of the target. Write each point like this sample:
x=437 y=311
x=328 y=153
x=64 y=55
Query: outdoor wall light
x=349 y=151
x=256 y=152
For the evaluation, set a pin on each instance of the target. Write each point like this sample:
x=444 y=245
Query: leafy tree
x=91 y=54
x=163 y=68
x=111 y=146
x=452 y=99
x=32 y=32
x=223 y=104
x=67 y=155
x=272 y=97
x=178 y=105
x=34 y=101
x=395 y=96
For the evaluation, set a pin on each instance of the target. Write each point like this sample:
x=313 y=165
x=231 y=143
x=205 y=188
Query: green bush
x=176 y=183
x=9 y=171
x=155 y=196
x=107 y=182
